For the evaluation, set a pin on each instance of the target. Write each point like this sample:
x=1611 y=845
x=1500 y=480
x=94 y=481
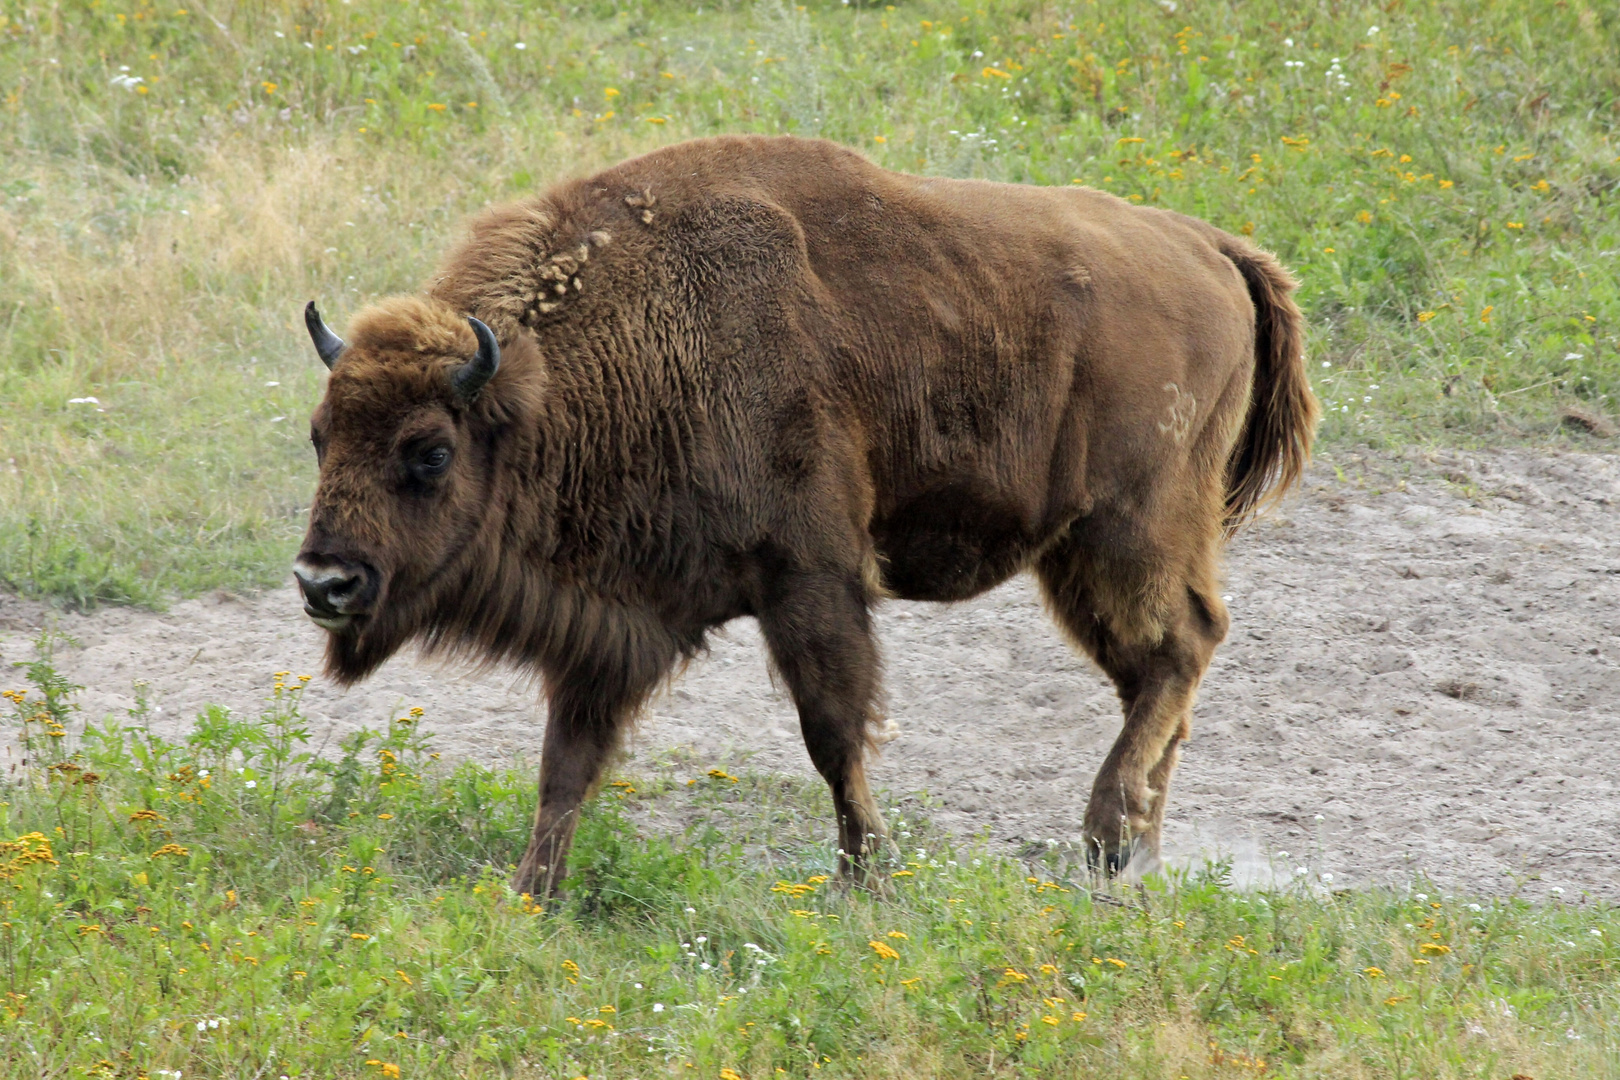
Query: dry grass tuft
x=1580 y=418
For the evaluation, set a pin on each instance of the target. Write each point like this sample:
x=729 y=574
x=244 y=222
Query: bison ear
x=327 y=344
x=471 y=376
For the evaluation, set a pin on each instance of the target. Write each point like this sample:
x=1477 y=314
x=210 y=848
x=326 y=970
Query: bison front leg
x=820 y=636
x=582 y=731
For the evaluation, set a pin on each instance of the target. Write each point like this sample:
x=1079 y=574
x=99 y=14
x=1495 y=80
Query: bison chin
x=361 y=647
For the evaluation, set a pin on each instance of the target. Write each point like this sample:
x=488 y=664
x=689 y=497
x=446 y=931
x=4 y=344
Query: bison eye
x=432 y=462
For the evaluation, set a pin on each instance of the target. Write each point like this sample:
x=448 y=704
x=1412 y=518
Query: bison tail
x=1275 y=444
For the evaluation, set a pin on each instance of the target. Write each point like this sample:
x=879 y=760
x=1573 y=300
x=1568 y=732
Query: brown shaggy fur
x=763 y=377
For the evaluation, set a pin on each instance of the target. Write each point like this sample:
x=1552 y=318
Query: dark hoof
x=1100 y=859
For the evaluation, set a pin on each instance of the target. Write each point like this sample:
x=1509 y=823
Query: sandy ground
x=1422 y=681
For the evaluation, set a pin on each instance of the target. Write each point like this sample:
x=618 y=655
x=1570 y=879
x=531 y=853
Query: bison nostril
x=338 y=588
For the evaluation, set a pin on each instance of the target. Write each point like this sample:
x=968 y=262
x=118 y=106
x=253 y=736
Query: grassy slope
x=1442 y=177
x=230 y=907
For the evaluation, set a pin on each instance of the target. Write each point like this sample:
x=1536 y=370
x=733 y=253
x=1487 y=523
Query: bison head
x=405 y=469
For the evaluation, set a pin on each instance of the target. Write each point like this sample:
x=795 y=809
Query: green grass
x=1446 y=191
x=230 y=905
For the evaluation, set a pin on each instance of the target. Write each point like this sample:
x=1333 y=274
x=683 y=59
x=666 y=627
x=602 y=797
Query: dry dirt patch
x=1422 y=678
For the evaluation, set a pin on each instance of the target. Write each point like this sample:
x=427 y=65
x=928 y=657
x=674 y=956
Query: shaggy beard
x=443 y=620
x=351 y=656
x=368 y=643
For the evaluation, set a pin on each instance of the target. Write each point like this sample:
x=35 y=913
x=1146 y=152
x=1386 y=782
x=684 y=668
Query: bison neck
x=593 y=531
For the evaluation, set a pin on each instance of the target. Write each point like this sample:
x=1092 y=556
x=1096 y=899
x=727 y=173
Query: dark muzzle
x=336 y=590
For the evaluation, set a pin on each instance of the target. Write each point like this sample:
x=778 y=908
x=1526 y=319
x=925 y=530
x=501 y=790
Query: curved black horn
x=471 y=376
x=327 y=344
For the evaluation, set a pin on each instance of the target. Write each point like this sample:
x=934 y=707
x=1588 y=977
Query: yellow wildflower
x=883 y=950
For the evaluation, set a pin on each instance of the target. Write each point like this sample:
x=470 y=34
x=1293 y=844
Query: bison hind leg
x=1151 y=619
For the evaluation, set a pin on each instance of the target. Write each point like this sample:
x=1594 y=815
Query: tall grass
x=229 y=905
x=175 y=181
